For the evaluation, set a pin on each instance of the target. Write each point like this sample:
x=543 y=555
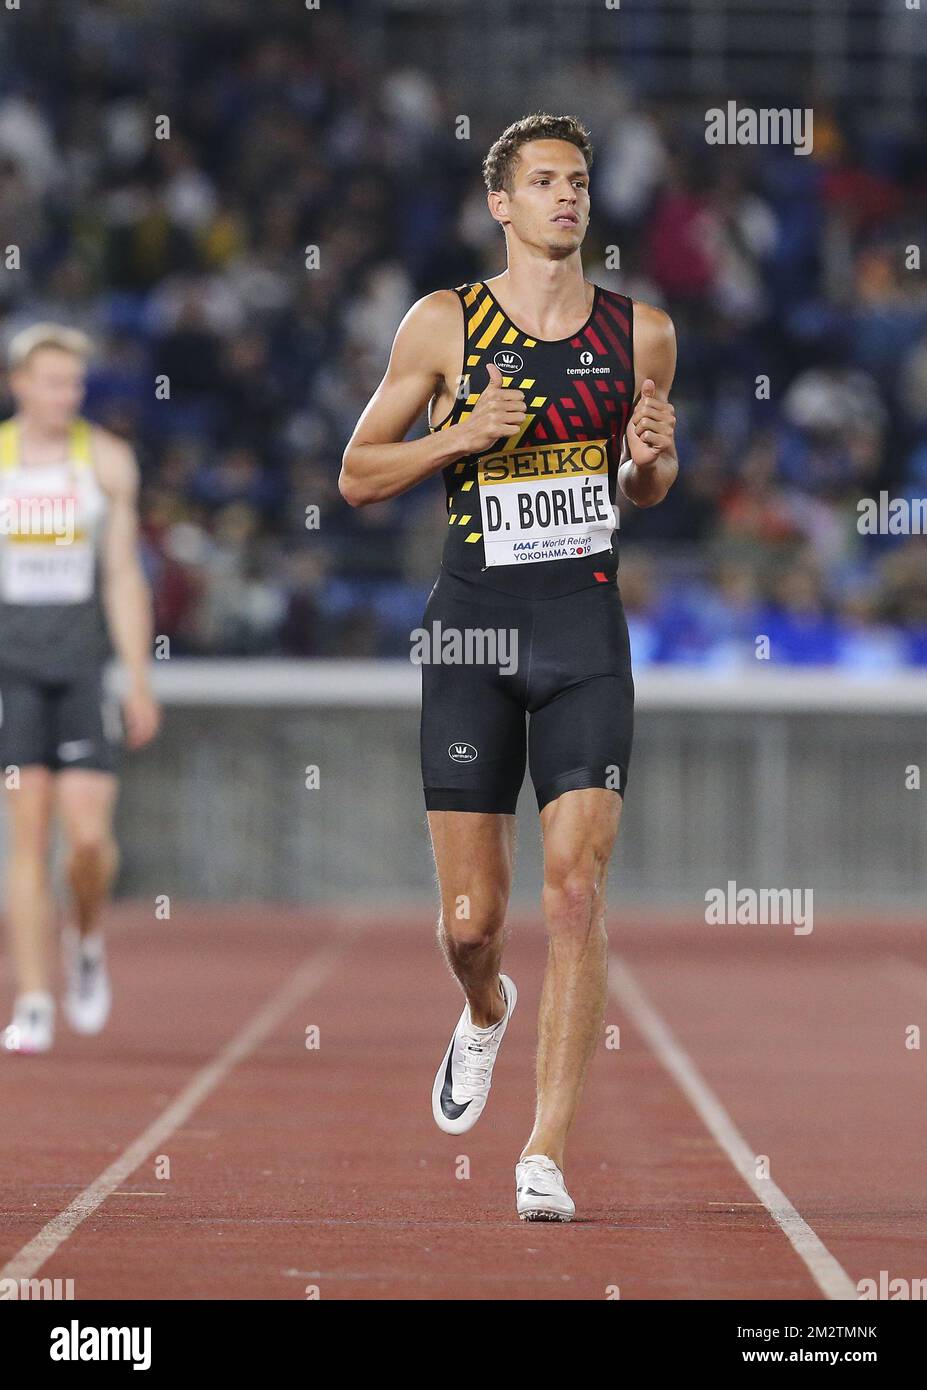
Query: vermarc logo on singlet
x=549 y=502
x=508 y=361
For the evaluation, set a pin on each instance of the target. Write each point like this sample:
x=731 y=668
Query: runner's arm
x=125 y=591
x=379 y=462
x=649 y=464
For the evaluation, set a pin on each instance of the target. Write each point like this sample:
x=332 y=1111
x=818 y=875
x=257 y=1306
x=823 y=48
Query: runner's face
x=49 y=387
x=549 y=207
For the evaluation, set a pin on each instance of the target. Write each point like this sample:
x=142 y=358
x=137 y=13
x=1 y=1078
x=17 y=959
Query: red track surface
x=323 y=1168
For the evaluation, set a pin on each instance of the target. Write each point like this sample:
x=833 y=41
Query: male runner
x=70 y=580
x=537 y=381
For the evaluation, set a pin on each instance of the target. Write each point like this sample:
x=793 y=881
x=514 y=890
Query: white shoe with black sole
x=540 y=1192
x=88 y=997
x=33 y=1027
x=462 y=1083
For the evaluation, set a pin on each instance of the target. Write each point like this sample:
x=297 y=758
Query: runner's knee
x=573 y=889
x=471 y=921
x=90 y=845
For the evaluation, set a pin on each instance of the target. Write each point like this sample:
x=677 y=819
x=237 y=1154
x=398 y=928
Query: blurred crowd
x=260 y=258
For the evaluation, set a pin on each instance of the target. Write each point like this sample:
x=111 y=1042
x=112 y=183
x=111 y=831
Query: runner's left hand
x=142 y=715
x=652 y=427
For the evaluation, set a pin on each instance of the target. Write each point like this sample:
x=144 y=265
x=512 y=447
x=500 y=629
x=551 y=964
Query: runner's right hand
x=499 y=412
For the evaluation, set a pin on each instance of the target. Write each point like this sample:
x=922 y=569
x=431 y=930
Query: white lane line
x=829 y=1275
x=302 y=983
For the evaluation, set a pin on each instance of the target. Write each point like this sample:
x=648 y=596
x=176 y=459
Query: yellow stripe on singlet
x=9 y=446
x=80 y=443
x=476 y=318
x=80 y=452
x=486 y=338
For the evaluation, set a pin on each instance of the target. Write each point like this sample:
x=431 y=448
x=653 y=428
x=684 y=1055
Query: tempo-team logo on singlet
x=549 y=502
x=589 y=366
x=508 y=362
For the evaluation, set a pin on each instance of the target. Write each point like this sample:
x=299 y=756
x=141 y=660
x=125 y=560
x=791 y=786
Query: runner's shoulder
x=430 y=330
x=114 y=459
x=436 y=312
x=652 y=323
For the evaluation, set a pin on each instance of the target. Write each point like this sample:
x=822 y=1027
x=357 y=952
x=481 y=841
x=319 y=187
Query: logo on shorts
x=77 y=748
x=462 y=753
x=508 y=362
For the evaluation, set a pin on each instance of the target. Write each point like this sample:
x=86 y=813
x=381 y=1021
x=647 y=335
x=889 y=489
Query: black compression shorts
x=60 y=724
x=488 y=660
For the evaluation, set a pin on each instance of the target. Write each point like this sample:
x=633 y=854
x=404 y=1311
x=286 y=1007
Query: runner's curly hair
x=499 y=164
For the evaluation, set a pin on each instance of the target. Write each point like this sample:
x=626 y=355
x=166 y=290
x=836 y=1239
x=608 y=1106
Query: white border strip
x=830 y=1276
x=397 y=684
x=314 y=972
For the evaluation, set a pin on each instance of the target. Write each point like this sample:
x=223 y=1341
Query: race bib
x=549 y=502
x=45 y=572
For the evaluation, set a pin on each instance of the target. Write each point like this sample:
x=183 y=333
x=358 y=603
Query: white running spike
x=464 y=1077
x=540 y=1192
